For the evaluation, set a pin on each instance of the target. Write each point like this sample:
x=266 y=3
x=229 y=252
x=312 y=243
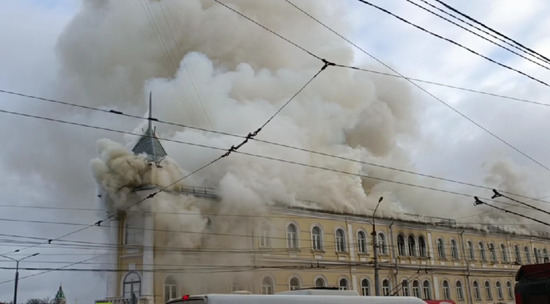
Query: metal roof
x=149 y=143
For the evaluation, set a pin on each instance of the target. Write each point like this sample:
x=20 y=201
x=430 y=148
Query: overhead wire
x=474 y=33
x=455 y=43
x=534 y=53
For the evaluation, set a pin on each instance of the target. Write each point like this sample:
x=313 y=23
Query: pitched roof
x=59 y=294
x=149 y=143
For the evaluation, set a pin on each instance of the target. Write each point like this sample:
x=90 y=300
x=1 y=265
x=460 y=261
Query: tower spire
x=149 y=143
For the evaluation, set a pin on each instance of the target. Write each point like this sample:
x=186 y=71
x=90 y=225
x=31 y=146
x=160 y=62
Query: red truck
x=533 y=284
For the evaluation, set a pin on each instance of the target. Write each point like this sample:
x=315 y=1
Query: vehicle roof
x=533 y=271
x=300 y=299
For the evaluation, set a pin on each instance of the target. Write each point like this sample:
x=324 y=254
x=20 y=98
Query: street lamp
x=375 y=249
x=17 y=272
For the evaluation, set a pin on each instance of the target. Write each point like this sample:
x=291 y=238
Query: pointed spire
x=59 y=296
x=149 y=143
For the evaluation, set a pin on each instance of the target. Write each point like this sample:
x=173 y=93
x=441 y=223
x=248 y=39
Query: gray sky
x=115 y=51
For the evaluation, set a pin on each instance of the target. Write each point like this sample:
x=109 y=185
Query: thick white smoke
x=210 y=68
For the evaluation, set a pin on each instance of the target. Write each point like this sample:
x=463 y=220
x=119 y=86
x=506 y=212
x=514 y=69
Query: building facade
x=161 y=255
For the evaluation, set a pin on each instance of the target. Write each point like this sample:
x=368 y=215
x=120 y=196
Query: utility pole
x=375 y=250
x=17 y=272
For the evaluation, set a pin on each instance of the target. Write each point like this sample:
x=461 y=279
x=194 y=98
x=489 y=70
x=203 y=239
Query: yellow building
x=196 y=246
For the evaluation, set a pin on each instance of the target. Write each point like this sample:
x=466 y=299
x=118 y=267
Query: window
x=264 y=236
x=412 y=245
x=504 y=253
x=471 y=251
x=416 y=289
x=405 y=288
x=492 y=252
x=536 y=254
x=459 y=291
x=427 y=290
x=316 y=238
x=527 y=255
x=292 y=236
x=482 y=252
x=343 y=284
x=446 y=290
x=294 y=284
x=500 y=295
x=454 y=249
x=510 y=290
x=170 y=290
x=386 y=287
x=545 y=255
x=267 y=285
x=401 y=245
x=518 y=254
x=320 y=282
x=365 y=287
x=340 y=240
x=132 y=285
x=361 y=242
x=422 y=246
x=133 y=231
x=382 y=244
x=488 y=290
x=477 y=292
x=440 y=248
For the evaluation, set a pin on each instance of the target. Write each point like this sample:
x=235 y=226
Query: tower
x=59 y=297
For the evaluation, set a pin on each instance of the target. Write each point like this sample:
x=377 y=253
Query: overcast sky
x=108 y=58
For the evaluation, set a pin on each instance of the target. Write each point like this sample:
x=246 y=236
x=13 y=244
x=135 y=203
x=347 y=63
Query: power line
x=455 y=43
x=418 y=86
x=544 y=58
x=472 y=32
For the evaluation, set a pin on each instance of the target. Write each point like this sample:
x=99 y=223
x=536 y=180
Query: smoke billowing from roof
x=209 y=67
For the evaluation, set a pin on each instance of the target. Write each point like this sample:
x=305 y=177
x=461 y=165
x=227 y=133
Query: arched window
x=412 y=245
x=477 y=292
x=545 y=255
x=343 y=284
x=320 y=282
x=401 y=245
x=504 y=253
x=440 y=248
x=510 y=290
x=294 y=283
x=492 y=252
x=518 y=254
x=264 y=236
x=427 y=290
x=488 y=293
x=405 y=288
x=471 y=250
x=170 y=288
x=459 y=291
x=340 y=240
x=292 y=236
x=317 y=238
x=527 y=255
x=365 y=287
x=386 y=287
x=131 y=285
x=454 y=249
x=416 y=289
x=382 y=244
x=536 y=253
x=500 y=294
x=446 y=290
x=422 y=246
x=482 y=254
x=361 y=242
x=267 y=285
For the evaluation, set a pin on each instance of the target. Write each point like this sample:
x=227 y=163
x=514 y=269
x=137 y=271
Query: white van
x=291 y=299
